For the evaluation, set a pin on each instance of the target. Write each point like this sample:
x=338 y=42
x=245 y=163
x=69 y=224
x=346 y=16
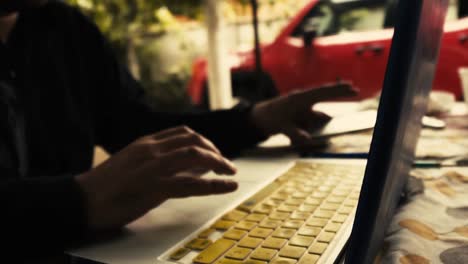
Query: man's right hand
x=148 y=172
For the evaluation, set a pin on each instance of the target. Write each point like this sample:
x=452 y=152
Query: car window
x=362 y=19
x=330 y=19
x=327 y=19
x=321 y=19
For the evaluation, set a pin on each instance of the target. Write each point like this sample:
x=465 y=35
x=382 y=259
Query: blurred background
x=164 y=43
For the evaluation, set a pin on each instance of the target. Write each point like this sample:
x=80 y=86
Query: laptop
x=314 y=211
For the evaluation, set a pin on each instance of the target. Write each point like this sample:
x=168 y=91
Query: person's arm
x=40 y=217
x=121 y=115
x=43 y=217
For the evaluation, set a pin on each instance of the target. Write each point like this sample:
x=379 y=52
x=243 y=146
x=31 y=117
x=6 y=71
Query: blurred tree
x=121 y=19
x=137 y=30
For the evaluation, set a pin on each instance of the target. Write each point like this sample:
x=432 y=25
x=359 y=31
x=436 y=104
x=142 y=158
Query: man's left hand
x=293 y=115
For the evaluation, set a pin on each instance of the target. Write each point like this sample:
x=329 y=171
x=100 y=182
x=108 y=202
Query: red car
x=328 y=41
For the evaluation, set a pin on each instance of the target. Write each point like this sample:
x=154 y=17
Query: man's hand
x=293 y=114
x=150 y=171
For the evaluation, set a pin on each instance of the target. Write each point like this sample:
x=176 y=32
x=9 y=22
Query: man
x=62 y=92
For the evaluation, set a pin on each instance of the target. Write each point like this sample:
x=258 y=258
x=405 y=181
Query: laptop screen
x=408 y=81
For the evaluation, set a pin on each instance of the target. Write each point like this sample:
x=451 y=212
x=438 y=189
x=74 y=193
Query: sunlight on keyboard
x=291 y=220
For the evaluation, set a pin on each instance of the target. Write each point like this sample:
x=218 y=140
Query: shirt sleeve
x=122 y=116
x=41 y=217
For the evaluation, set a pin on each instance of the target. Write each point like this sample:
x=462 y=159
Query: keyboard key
x=335 y=199
x=287 y=190
x=250 y=242
x=313 y=183
x=332 y=227
x=228 y=261
x=292 y=252
x=294 y=224
x=270 y=223
x=309 y=231
x=253 y=261
x=323 y=214
x=263 y=254
x=350 y=202
x=354 y=196
x=307 y=208
x=279 y=260
x=238 y=253
x=297 y=215
x=345 y=210
x=318 y=248
x=329 y=206
x=250 y=203
x=325 y=237
x=325 y=189
x=319 y=195
x=279 y=216
x=213 y=252
x=280 y=196
x=312 y=201
x=179 y=254
x=223 y=224
x=300 y=195
x=235 y=234
x=260 y=232
x=263 y=209
x=235 y=215
x=274 y=243
x=255 y=217
x=294 y=201
x=272 y=202
x=344 y=188
x=306 y=189
x=318 y=222
x=205 y=234
x=198 y=244
x=309 y=259
x=284 y=233
x=339 y=218
x=246 y=225
x=301 y=241
x=342 y=193
x=286 y=208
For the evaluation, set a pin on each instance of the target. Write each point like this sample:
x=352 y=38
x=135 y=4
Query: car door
x=348 y=44
x=359 y=50
x=293 y=63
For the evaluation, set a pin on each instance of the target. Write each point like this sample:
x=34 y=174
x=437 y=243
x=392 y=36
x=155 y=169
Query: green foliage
x=121 y=19
x=136 y=29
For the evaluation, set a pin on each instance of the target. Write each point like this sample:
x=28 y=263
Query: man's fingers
x=180 y=187
x=172 y=132
x=189 y=158
x=297 y=135
x=324 y=93
x=315 y=120
x=185 y=140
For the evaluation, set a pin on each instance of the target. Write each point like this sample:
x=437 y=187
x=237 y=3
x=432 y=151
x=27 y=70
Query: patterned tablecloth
x=432 y=226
